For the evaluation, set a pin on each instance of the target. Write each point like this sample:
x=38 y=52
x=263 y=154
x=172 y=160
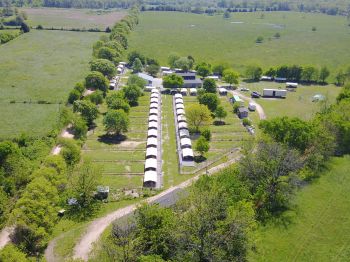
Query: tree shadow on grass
x=111 y=139
x=219 y=123
x=199 y=159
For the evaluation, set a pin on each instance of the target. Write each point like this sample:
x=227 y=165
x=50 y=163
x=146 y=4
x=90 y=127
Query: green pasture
x=72 y=18
x=214 y=39
x=318 y=229
x=40 y=65
x=298 y=103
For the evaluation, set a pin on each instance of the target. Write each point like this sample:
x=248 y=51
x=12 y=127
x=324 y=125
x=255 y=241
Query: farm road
x=259 y=108
x=96 y=228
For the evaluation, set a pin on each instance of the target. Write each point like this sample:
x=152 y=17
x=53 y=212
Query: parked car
x=255 y=95
x=244 y=89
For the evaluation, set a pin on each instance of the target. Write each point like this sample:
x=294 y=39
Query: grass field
x=214 y=39
x=320 y=226
x=69 y=18
x=122 y=163
x=40 y=65
x=297 y=103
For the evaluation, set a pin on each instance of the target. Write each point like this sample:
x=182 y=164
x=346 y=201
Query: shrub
x=246 y=122
x=206 y=133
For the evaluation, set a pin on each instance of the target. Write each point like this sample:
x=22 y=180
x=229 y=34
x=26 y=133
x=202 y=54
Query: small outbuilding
x=242 y=112
x=280 y=93
x=291 y=85
x=182 y=125
x=193 y=91
x=187 y=154
x=180 y=112
x=102 y=192
x=266 y=78
x=153 y=111
x=155 y=95
x=185 y=143
x=222 y=91
x=153 y=106
x=252 y=106
x=151 y=164
x=184 y=133
x=180 y=106
x=154 y=100
x=216 y=78
x=151 y=152
x=155 y=90
x=178 y=96
x=153 y=118
x=150 y=179
x=183 y=91
x=152 y=133
x=153 y=125
x=280 y=79
x=181 y=118
x=179 y=101
x=149 y=79
x=152 y=142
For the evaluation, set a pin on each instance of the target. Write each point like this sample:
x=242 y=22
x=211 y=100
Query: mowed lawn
x=72 y=18
x=320 y=227
x=40 y=65
x=121 y=162
x=213 y=39
x=298 y=103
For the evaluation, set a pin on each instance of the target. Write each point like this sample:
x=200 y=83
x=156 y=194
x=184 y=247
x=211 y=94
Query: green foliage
x=203 y=69
x=25 y=28
x=3 y=207
x=116 y=122
x=172 y=58
x=137 y=66
x=87 y=110
x=173 y=81
x=73 y=96
x=183 y=63
x=70 y=152
x=96 y=80
x=80 y=87
x=83 y=184
x=103 y=66
x=246 y=122
x=132 y=56
x=152 y=69
x=96 y=97
x=198 y=116
x=220 y=113
x=269 y=174
x=116 y=101
x=231 y=77
x=259 y=40
x=132 y=94
x=309 y=74
x=106 y=53
x=136 y=80
x=324 y=74
x=220 y=68
x=202 y=145
x=210 y=100
x=253 y=72
x=206 y=133
x=209 y=85
x=12 y=254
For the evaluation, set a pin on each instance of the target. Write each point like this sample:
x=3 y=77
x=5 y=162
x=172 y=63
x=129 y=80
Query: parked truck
x=279 y=93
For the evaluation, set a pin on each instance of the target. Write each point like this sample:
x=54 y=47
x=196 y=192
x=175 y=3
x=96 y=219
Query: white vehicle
x=244 y=89
x=252 y=106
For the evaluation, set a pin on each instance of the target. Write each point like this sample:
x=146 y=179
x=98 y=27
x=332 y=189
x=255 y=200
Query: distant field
x=214 y=39
x=319 y=229
x=40 y=65
x=68 y=18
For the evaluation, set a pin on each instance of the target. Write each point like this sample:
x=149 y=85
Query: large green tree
x=230 y=76
x=198 y=115
x=132 y=94
x=116 y=122
x=87 y=109
x=173 y=81
x=210 y=100
x=96 y=80
x=209 y=85
x=104 y=66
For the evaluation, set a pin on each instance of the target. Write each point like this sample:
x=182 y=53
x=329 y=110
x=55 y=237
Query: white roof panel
x=154 y=100
x=183 y=125
x=178 y=106
x=153 y=118
x=184 y=132
x=151 y=163
x=180 y=111
x=150 y=176
x=185 y=141
x=152 y=132
x=153 y=125
x=153 y=105
x=151 y=151
x=187 y=152
x=153 y=111
x=181 y=118
x=151 y=141
x=178 y=95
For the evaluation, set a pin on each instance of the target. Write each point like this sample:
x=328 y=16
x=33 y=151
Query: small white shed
x=151 y=152
x=180 y=112
x=153 y=105
x=152 y=133
x=193 y=91
x=153 y=111
x=185 y=142
x=180 y=106
x=152 y=142
x=184 y=133
x=178 y=95
x=151 y=164
x=187 y=154
x=153 y=118
x=152 y=125
x=182 y=125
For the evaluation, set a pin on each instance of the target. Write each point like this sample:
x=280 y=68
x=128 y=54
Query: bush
x=246 y=122
x=96 y=97
x=259 y=40
x=73 y=96
x=40 y=27
x=70 y=152
x=206 y=133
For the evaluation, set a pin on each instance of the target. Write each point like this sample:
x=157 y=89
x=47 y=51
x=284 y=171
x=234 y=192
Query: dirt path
x=259 y=108
x=96 y=228
x=5 y=236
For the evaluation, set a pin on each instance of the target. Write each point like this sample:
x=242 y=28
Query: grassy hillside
x=320 y=227
x=214 y=39
x=68 y=18
x=40 y=65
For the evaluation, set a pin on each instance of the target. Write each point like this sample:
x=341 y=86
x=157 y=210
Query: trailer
x=278 y=93
x=291 y=85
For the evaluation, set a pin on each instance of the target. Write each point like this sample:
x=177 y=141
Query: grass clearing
x=40 y=73
x=319 y=229
x=72 y=18
x=214 y=39
x=298 y=103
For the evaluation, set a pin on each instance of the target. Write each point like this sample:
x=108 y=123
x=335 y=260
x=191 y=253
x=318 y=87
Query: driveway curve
x=259 y=108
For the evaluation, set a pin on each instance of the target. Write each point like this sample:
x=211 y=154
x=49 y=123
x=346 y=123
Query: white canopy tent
x=150 y=178
x=154 y=95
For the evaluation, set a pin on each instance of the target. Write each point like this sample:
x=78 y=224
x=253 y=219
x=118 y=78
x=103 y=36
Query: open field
x=224 y=137
x=213 y=39
x=121 y=162
x=40 y=65
x=298 y=103
x=320 y=226
x=72 y=18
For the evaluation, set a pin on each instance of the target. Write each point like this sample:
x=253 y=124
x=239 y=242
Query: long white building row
x=151 y=169
x=183 y=133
